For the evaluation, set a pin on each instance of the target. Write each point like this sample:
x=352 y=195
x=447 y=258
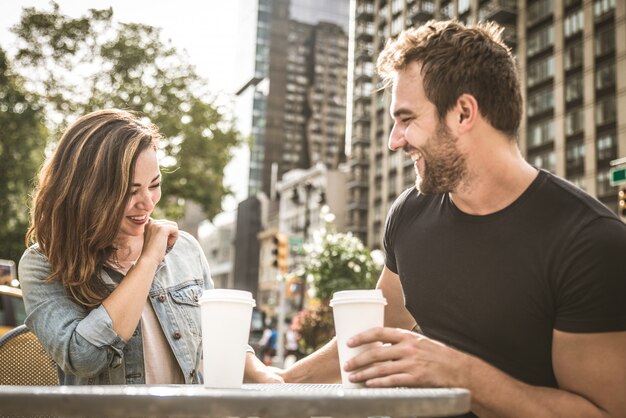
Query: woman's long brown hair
x=81 y=197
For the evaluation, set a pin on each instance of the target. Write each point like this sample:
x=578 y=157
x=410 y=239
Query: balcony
x=421 y=11
x=357 y=205
x=365 y=11
x=501 y=11
x=365 y=32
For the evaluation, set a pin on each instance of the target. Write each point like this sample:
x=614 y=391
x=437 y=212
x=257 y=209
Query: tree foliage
x=83 y=64
x=22 y=140
x=337 y=261
x=334 y=262
x=315 y=327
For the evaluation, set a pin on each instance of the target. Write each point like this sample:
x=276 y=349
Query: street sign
x=618 y=175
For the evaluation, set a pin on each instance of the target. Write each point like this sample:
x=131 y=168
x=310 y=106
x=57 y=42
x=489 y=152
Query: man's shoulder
x=576 y=201
x=413 y=198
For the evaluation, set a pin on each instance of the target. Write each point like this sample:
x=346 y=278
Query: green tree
x=92 y=62
x=338 y=261
x=334 y=262
x=22 y=141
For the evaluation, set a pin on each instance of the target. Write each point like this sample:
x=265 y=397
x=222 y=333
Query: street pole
x=280 y=327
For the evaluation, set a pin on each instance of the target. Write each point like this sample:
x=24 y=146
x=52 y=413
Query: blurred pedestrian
x=267 y=343
x=515 y=276
x=110 y=292
x=292 y=345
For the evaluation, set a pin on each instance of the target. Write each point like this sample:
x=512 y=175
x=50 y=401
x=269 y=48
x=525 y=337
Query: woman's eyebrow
x=151 y=181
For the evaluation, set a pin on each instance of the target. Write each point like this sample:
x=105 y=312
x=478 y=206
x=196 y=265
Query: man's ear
x=466 y=113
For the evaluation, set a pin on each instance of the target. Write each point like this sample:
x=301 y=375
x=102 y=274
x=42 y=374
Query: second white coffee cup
x=226 y=316
x=355 y=311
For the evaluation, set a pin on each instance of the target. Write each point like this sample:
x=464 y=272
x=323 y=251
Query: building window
x=579 y=181
x=603 y=182
x=540 y=40
x=538 y=10
x=605 y=75
x=540 y=101
x=574 y=122
x=573 y=23
x=541 y=70
x=575 y=155
x=573 y=55
x=606 y=146
x=545 y=160
x=464 y=6
x=605 y=111
x=540 y=133
x=397 y=25
x=574 y=87
x=602 y=7
x=605 y=41
x=447 y=11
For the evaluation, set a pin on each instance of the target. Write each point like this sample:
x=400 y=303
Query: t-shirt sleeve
x=591 y=284
x=392 y=222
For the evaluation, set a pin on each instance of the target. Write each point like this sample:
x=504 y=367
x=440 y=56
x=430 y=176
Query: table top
x=252 y=400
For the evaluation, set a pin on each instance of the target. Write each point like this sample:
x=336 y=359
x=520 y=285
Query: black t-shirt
x=497 y=285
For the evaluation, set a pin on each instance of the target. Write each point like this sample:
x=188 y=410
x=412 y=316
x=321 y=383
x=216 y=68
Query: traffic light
x=292 y=287
x=621 y=203
x=280 y=252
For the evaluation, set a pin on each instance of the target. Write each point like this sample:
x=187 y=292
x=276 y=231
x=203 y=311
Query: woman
x=110 y=292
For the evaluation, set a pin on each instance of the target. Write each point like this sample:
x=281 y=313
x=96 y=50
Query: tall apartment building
x=572 y=61
x=298 y=118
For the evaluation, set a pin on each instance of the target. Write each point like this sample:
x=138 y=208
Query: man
x=513 y=278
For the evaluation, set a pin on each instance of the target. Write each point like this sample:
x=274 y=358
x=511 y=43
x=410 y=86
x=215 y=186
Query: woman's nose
x=145 y=201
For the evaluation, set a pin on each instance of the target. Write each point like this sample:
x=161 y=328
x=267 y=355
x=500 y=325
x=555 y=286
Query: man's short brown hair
x=458 y=59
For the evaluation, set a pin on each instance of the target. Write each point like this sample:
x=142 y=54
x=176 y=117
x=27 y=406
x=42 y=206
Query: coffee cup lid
x=358 y=296
x=227 y=295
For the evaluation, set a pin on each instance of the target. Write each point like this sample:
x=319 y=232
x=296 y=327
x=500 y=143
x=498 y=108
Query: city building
x=309 y=199
x=298 y=116
x=572 y=60
x=217 y=242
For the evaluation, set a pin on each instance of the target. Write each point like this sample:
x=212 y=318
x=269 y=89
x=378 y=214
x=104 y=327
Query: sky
x=205 y=29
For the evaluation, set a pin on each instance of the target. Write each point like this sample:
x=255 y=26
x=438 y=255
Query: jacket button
x=177 y=335
x=195 y=297
x=161 y=298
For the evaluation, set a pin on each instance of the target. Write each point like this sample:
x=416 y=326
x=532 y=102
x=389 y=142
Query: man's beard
x=444 y=166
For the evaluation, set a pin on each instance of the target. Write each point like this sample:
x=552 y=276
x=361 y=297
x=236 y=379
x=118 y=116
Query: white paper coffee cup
x=355 y=311
x=226 y=316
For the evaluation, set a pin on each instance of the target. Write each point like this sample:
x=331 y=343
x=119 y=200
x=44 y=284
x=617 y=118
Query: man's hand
x=257 y=372
x=406 y=359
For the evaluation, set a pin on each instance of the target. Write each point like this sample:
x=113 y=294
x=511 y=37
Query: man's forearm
x=496 y=394
x=320 y=367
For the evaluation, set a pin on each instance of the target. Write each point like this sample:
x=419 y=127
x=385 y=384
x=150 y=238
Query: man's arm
x=590 y=370
x=396 y=313
x=323 y=365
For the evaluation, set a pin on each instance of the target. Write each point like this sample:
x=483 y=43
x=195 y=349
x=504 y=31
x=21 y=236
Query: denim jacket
x=83 y=343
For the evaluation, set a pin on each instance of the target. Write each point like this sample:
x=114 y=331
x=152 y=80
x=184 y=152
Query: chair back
x=23 y=360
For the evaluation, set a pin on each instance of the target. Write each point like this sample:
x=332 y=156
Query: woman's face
x=145 y=193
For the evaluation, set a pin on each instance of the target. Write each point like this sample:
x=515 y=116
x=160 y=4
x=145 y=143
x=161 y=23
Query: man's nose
x=396 y=138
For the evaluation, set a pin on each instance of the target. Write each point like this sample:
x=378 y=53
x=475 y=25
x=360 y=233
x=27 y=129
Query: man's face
x=417 y=130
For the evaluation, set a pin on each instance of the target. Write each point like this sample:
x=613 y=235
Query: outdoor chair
x=23 y=360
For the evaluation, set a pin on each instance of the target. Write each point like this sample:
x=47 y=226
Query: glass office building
x=300 y=72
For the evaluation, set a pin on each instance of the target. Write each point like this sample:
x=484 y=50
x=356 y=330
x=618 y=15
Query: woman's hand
x=158 y=238
x=257 y=372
